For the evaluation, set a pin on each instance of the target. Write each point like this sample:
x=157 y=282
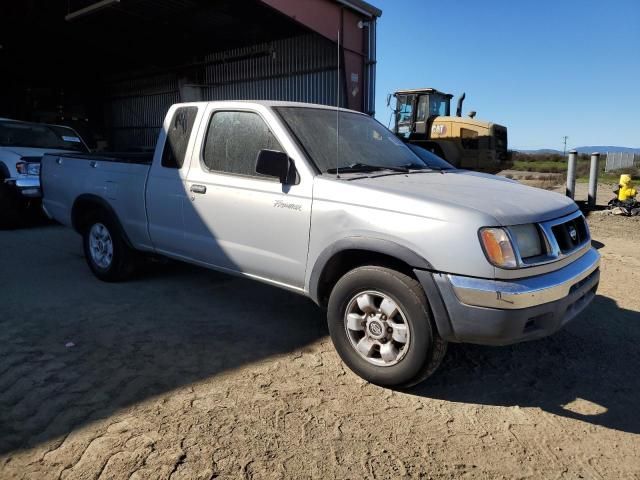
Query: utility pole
x=564 y=152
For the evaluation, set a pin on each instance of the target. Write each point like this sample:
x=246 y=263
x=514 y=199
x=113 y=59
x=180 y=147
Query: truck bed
x=117 y=179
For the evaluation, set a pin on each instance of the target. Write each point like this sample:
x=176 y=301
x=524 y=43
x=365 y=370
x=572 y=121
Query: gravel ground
x=185 y=373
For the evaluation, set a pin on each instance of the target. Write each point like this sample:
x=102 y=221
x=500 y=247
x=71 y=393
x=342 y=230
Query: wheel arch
x=87 y=204
x=352 y=252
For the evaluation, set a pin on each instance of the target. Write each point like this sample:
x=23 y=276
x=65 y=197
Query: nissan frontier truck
x=405 y=252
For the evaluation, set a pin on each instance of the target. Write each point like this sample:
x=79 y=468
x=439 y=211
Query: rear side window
x=175 y=148
x=234 y=140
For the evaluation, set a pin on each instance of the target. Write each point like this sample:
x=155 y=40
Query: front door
x=239 y=220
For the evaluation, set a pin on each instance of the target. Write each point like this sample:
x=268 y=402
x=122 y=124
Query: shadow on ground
x=176 y=324
x=30 y=218
x=75 y=349
x=589 y=371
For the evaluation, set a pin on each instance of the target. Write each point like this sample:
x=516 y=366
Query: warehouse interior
x=111 y=68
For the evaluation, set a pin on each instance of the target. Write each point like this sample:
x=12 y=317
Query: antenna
x=338 y=112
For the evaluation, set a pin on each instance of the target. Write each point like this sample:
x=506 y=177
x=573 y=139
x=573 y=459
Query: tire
x=106 y=251
x=409 y=352
x=10 y=207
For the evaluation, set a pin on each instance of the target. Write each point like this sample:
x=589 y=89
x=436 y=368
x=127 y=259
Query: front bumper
x=496 y=312
x=27 y=186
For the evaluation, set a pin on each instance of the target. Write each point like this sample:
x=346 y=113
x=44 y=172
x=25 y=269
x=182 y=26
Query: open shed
x=111 y=68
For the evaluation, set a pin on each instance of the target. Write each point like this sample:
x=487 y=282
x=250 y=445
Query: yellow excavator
x=423 y=117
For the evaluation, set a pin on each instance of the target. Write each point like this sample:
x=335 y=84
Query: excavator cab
x=414 y=108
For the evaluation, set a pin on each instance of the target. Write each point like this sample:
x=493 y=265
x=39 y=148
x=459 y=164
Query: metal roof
x=362 y=7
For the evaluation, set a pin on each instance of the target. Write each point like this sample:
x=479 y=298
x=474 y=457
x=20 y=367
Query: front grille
x=570 y=235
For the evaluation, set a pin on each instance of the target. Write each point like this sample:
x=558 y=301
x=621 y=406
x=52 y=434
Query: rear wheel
x=105 y=250
x=381 y=326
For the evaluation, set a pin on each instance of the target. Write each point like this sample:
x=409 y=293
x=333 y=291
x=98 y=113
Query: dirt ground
x=188 y=374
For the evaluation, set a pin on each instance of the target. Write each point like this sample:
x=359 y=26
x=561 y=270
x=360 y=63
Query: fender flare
x=103 y=205
x=369 y=244
x=420 y=266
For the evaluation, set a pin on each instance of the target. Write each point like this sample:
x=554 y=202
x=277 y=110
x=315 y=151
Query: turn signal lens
x=497 y=247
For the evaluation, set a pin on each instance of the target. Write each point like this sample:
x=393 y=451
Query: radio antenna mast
x=338 y=112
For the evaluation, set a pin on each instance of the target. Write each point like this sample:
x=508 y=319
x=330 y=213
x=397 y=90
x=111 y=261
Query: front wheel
x=107 y=254
x=381 y=326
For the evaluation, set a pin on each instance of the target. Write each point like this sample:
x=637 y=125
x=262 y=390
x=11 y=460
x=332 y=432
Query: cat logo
x=439 y=129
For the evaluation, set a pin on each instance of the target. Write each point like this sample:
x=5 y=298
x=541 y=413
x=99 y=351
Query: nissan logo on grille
x=571 y=235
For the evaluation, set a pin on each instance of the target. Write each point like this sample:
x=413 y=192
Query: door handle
x=59 y=161
x=93 y=164
x=198 y=189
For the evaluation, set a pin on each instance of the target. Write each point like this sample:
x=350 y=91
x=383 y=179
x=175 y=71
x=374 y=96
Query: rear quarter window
x=175 y=147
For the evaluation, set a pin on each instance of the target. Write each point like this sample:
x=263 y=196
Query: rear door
x=166 y=186
x=237 y=219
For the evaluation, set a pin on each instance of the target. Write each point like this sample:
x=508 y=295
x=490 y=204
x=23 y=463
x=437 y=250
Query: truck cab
x=423 y=117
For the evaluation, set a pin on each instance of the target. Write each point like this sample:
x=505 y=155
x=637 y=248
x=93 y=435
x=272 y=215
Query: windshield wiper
x=427 y=168
x=363 y=167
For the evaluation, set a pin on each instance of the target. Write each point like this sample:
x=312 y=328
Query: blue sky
x=543 y=68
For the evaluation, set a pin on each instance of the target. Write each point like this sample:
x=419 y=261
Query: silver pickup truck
x=405 y=252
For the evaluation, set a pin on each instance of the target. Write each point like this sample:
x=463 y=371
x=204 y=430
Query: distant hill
x=541 y=151
x=589 y=149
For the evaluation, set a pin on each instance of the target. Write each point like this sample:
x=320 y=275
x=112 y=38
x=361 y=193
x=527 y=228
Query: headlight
x=33 y=169
x=527 y=239
x=497 y=247
x=28 y=168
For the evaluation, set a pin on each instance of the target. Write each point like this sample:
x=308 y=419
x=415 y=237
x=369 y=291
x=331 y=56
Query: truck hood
x=9 y=156
x=28 y=151
x=509 y=202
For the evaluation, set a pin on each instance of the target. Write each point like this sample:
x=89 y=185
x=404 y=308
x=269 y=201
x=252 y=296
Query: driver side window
x=233 y=141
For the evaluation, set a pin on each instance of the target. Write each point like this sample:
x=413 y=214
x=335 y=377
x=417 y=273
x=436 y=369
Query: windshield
x=362 y=142
x=34 y=135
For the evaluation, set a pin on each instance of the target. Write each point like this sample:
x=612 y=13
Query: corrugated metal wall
x=302 y=69
x=137 y=108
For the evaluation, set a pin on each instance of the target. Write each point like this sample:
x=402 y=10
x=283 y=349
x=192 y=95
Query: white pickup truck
x=22 y=145
x=405 y=252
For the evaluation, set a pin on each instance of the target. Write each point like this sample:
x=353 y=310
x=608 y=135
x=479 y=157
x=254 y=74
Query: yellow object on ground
x=626 y=192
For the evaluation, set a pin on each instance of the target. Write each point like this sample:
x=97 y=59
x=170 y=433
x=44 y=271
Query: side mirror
x=275 y=164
